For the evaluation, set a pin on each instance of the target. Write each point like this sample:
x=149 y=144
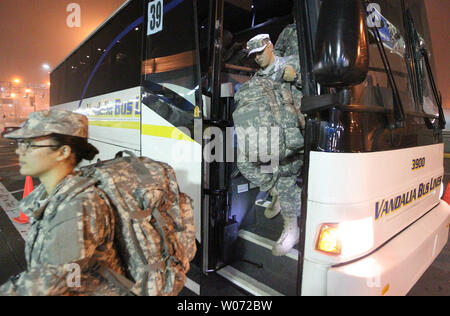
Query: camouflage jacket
x=68 y=235
x=287 y=43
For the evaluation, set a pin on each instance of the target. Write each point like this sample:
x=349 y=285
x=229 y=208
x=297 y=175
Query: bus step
x=277 y=273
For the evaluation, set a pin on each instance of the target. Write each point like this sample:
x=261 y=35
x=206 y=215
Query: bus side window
x=93 y=69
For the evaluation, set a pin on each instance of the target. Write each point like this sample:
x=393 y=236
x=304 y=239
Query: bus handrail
x=241 y=68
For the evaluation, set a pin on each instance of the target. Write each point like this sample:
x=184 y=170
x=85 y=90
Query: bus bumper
x=398 y=265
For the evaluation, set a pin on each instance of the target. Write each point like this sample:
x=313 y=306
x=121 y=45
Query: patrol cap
x=258 y=43
x=44 y=123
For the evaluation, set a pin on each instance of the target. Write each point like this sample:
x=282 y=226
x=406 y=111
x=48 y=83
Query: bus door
x=171 y=116
x=238 y=237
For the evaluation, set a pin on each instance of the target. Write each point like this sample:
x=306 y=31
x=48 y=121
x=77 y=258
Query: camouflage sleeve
x=294 y=61
x=81 y=227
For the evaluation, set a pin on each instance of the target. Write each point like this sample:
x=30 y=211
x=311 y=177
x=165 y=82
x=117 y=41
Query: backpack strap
x=117 y=279
x=137 y=165
x=75 y=189
x=79 y=187
x=161 y=222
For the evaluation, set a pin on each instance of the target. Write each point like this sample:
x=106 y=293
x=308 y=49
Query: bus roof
x=243 y=4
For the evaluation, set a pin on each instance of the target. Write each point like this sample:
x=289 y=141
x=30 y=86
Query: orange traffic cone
x=446 y=196
x=29 y=187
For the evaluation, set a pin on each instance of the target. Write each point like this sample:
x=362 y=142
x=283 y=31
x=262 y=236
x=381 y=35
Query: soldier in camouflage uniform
x=287 y=43
x=70 y=233
x=285 y=70
x=270 y=91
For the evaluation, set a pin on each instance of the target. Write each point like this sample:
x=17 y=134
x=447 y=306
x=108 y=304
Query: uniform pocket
x=294 y=138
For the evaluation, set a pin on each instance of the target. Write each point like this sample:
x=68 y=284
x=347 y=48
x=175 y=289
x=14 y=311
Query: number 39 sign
x=155 y=17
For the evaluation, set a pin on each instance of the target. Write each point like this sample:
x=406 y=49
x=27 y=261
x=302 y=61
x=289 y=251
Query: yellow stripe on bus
x=116 y=124
x=165 y=131
x=149 y=130
x=446 y=155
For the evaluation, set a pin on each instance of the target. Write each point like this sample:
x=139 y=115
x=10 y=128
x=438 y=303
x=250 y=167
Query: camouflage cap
x=44 y=123
x=258 y=43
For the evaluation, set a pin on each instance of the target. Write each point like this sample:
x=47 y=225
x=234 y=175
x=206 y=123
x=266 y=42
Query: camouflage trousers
x=287 y=190
x=289 y=195
x=283 y=184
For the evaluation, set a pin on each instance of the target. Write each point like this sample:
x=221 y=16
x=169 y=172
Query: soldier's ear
x=65 y=153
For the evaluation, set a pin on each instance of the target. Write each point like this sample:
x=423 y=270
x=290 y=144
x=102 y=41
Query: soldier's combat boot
x=273 y=209
x=289 y=237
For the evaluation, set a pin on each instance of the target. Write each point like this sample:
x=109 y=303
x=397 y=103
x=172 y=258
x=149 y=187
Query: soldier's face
x=264 y=58
x=36 y=161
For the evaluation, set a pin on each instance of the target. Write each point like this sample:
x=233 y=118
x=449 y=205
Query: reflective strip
x=165 y=131
x=116 y=124
x=149 y=130
x=385 y=289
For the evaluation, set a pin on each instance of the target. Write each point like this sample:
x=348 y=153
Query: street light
x=46 y=67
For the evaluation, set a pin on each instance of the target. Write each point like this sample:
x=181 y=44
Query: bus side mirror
x=342 y=52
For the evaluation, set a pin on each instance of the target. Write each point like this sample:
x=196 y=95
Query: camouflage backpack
x=155 y=232
x=261 y=105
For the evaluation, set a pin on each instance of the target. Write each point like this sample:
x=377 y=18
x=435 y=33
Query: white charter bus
x=158 y=78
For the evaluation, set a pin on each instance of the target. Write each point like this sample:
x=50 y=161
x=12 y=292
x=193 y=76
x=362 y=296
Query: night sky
x=34 y=32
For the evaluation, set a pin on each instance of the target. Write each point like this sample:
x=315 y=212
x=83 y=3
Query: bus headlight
x=347 y=239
